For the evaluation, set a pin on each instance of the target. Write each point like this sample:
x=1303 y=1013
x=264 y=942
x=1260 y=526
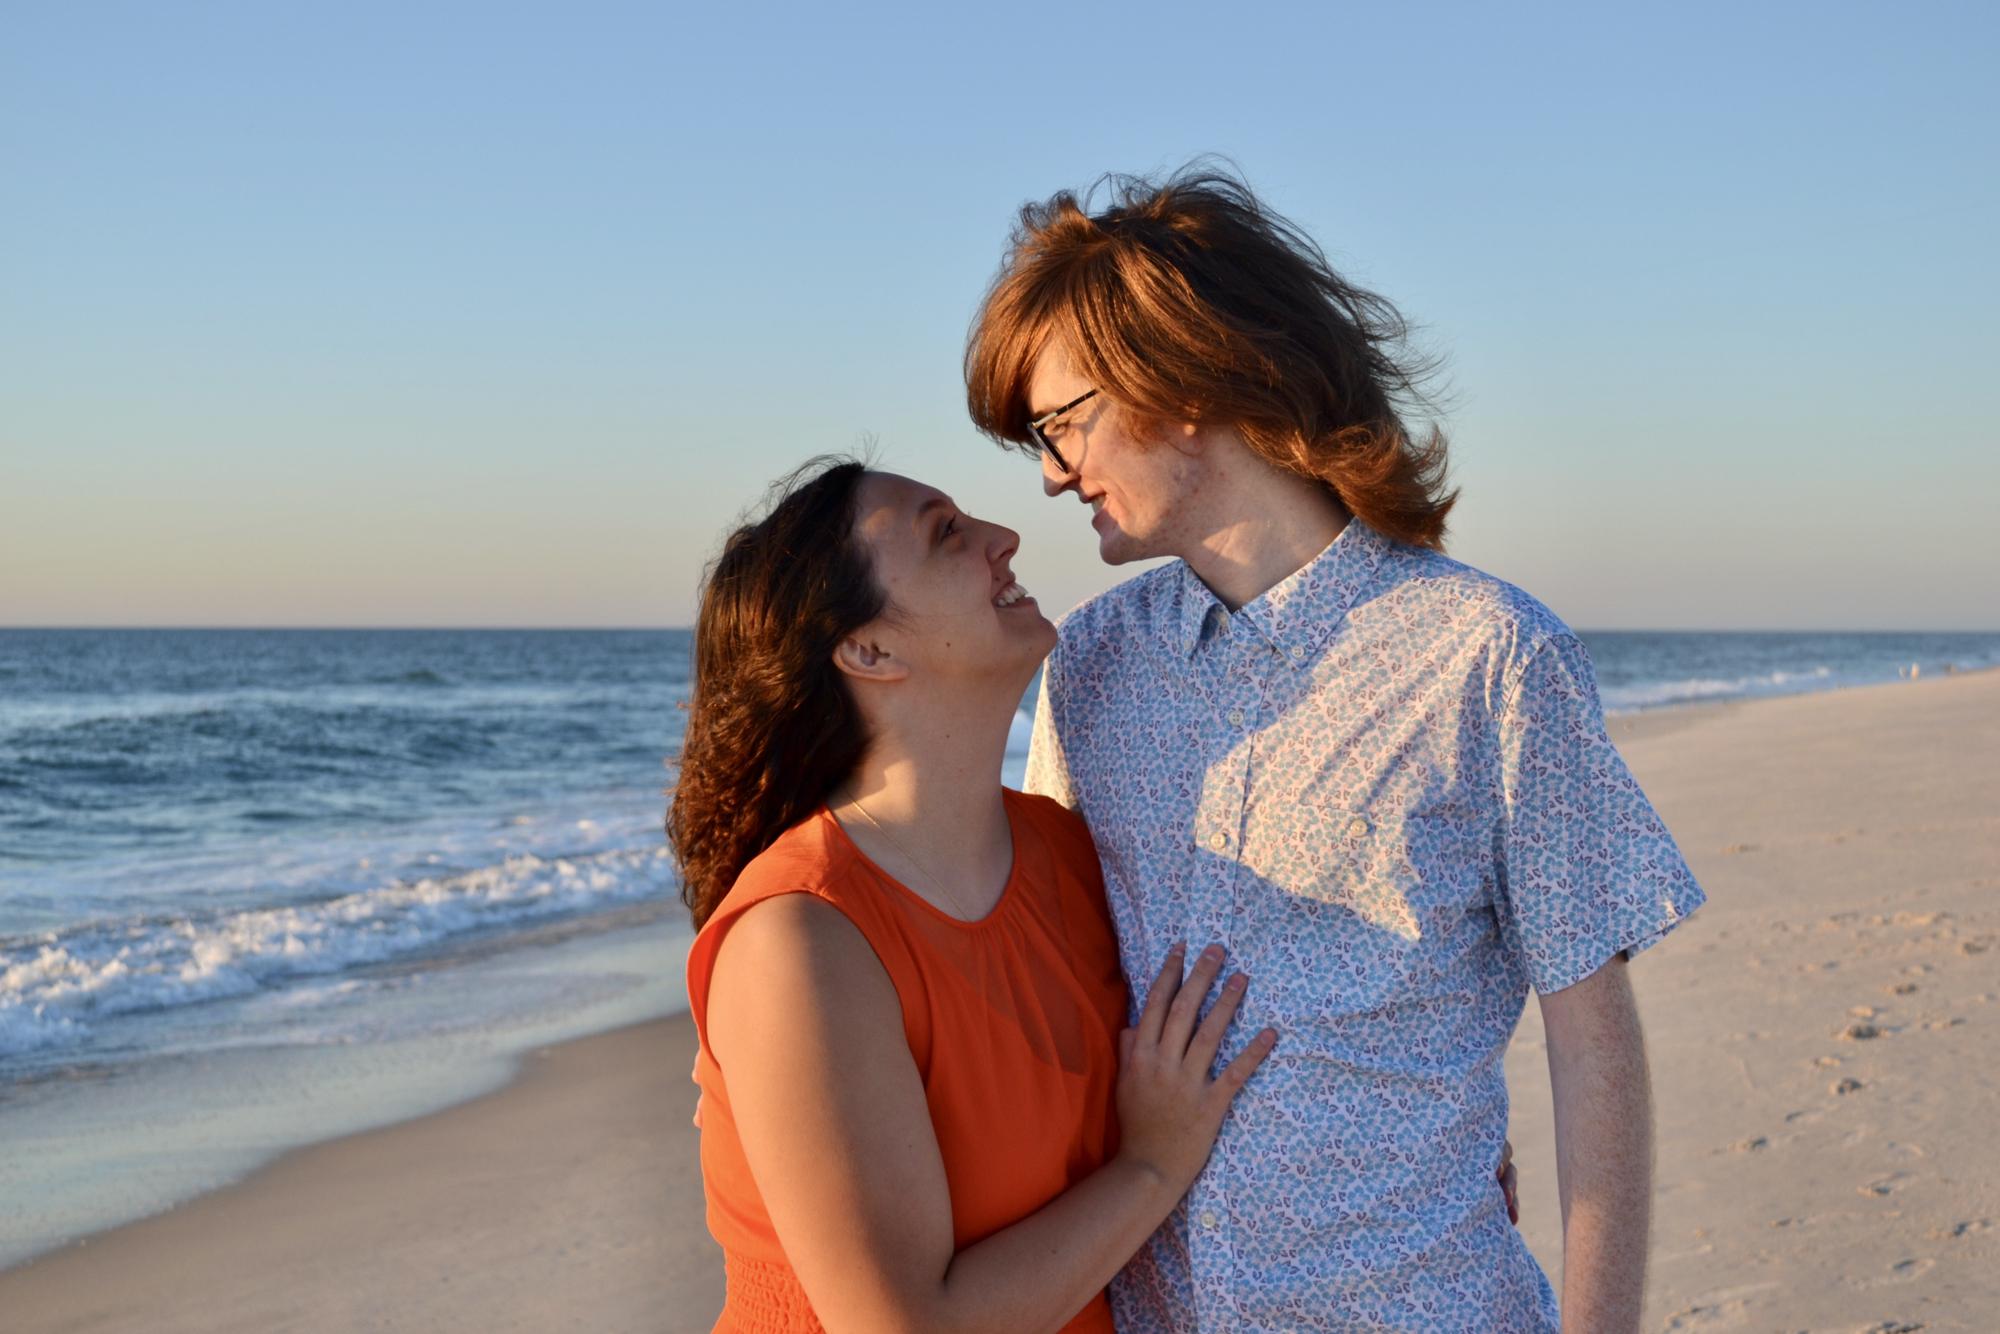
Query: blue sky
x=452 y=314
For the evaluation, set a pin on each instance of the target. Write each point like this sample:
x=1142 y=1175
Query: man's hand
x=1604 y=1148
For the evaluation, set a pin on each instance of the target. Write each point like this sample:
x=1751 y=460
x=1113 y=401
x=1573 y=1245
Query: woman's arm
x=838 y=1135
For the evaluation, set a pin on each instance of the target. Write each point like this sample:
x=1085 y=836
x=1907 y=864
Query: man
x=1376 y=776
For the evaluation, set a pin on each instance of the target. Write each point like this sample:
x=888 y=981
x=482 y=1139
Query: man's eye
x=950 y=527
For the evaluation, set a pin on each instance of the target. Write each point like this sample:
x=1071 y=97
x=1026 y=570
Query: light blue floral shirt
x=1386 y=787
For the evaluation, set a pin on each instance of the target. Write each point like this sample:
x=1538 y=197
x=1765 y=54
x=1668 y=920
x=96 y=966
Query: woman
x=918 y=1109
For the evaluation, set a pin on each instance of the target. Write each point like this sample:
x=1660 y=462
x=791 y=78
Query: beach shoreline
x=569 y=1198
x=1849 y=847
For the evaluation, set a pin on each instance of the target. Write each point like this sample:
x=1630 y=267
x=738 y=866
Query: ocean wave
x=422 y=676
x=1656 y=694
x=54 y=987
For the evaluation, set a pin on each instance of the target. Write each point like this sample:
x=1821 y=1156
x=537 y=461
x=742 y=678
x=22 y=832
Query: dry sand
x=1823 y=1032
x=1822 y=1038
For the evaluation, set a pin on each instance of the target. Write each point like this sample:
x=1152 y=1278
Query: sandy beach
x=1821 y=1038
x=570 y=1200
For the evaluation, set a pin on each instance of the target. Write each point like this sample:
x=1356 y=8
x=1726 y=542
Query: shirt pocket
x=1356 y=915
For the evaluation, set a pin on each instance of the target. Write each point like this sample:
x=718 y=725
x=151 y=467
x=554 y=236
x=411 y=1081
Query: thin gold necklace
x=911 y=857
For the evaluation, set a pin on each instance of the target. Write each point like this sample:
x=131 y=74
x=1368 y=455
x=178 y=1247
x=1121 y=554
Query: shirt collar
x=1300 y=612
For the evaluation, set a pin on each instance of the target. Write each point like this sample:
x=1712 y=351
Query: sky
x=499 y=314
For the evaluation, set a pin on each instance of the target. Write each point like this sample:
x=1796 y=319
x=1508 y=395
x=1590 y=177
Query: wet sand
x=570 y=1200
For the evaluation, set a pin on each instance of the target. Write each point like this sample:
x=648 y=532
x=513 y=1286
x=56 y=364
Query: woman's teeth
x=1009 y=595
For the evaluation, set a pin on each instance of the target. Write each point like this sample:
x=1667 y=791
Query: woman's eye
x=950 y=527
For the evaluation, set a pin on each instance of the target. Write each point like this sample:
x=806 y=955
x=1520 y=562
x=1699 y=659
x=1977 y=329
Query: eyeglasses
x=1039 y=435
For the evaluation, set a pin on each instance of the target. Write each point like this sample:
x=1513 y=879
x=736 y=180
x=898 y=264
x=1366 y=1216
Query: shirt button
x=1218 y=840
x=1236 y=717
x=1298 y=653
x=1208 y=1218
x=1356 y=827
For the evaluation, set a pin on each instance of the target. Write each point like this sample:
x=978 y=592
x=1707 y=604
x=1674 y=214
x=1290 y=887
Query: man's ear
x=865 y=660
x=1188 y=437
x=1196 y=438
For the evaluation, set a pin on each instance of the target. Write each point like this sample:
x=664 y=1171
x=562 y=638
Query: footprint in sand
x=1887 y=1185
x=1717 y=1310
x=1859 y=1031
x=1966 y=1228
x=1901 y=988
x=1895 y=1327
x=1842 y=1088
x=1903 y=1271
x=1720 y=1315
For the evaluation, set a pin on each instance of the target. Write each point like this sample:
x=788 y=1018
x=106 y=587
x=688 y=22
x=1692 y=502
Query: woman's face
x=955 y=612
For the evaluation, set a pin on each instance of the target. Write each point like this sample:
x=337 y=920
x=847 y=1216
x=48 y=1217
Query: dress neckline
x=1007 y=890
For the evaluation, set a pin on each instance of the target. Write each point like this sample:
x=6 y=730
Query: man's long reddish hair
x=1191 y=301
x=772 y=729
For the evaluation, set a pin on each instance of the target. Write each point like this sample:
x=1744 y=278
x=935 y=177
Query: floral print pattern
x=1386 y=788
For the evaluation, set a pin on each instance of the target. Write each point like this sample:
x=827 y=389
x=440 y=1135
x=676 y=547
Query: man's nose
x=1055 y=480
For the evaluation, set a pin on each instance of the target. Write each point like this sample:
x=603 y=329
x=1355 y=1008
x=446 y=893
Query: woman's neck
x=927 y=798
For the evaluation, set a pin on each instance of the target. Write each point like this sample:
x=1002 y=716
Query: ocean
x=262 y=887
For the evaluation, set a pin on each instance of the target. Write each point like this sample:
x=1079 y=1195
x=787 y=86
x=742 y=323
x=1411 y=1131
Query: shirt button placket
x=1212 y=1256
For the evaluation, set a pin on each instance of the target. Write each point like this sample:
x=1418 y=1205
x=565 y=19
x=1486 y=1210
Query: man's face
x=1136 y=488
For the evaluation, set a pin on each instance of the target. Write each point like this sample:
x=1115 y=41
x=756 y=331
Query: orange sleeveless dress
x=1012 y=1020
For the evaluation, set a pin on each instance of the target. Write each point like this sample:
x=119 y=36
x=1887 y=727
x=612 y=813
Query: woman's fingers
x=1509 y=1181
x=1208 y=1038
x=1237 y=1073
x=1165 y=984
x=1186 y=1006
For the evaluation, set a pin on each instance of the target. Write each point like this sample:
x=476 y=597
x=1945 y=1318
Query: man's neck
x=1265 y=527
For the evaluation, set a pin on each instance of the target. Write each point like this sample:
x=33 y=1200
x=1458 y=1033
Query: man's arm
x=1604 y=1148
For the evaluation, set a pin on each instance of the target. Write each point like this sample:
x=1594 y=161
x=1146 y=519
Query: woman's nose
x=1003 y=543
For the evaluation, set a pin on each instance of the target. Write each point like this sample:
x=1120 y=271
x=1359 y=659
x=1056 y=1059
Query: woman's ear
x=865 y=660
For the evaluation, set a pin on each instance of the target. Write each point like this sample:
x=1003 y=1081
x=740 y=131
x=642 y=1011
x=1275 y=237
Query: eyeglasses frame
x=1037 y=434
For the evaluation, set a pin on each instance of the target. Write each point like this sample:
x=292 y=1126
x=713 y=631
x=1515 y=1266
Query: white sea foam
x=54 y=986
x=1654 y=694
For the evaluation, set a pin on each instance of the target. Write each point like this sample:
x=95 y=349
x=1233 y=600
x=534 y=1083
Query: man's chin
x=1115 y=548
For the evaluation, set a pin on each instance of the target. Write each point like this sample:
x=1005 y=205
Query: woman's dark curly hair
x=772 y=729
